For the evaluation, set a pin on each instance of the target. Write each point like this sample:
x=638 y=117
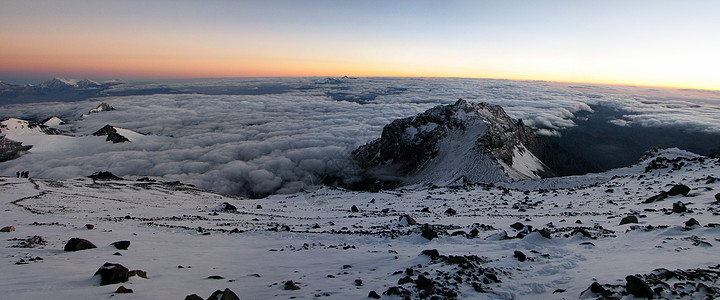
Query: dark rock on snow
x=138 y=273
x=692 y=222
x=105 y=175
x=112 y=273
x=121 y=245
x=193 y=297
x=637 y=287
x=112 y=135
x=374 y=295
x=517 y=226
x=77 y=244
x=123 y=290
x=7 y=229
x=428 y=233
x=354 y=209
x=290 y=285
x=679 y=189
x=227 y=294
x=409 y=220
x=679 y=207
x=519 y=255
x=629 y=220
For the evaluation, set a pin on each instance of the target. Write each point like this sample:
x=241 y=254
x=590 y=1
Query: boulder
x=290 y=285
x=428 y=233
x=193 y=297
x=679 y=207
x=374 y=295
x=717 y=197
x=519 y=255
x=90 y=226
x=225 y=207
x=433 y=253
x=77 y=244
x=407 y=220
x=111 y=273
x=138 y=273
x=354 y=209
x=637 y=287
x=7 y=229
x=450 y=212
x=679 y=189
x=692 y=222
x=629 y=220
x=121 y=245
x=425 y=284
x=226 y=294
x=517 y=226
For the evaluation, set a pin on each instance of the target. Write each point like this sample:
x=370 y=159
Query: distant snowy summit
x=101 y=108
x=22 y=127
x=54 y=90
x=459 y=143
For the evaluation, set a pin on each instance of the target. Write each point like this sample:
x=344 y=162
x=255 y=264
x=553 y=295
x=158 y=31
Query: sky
x=656 y=43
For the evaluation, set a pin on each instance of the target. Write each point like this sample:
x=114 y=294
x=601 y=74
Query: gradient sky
x=661 y=43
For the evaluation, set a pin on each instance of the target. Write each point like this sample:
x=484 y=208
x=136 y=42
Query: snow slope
x=315 y=240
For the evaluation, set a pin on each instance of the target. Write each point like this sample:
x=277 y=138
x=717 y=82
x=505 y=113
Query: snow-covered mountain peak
x=473 y=142
x=54 y=121
x=13 y=126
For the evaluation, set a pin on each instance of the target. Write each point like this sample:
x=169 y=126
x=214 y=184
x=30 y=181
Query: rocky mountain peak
x=475 y=142
x=112 y=134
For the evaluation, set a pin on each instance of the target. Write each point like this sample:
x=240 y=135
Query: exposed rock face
x=638 y=288
x=17 y=126
x=112 y=135
x=462 y=142
x=10 y=149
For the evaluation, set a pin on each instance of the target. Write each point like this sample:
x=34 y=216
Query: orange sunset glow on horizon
x=616 y=42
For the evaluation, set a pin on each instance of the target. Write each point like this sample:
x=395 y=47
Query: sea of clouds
x=270 y=136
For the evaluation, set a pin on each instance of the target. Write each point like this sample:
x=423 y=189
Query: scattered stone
x=692 y=222
x=105 y=175
x=235 y=230
x=428 y=233
x=77 y=244
x=112 y=273
x=679 y=189
x=354 y=209
x=123 y=290
x=679 y=207
x=374 y=295
x=517 y=226
x=193 y=297
x=117 y=254
x=7 y=229
x=657 y=197
x=258 y=206
x=90 y=226
x=291 y=286
x=520 y=256
x=216 y=277
x=450 y=212
x=121 y=245
x=637 y=287
x=629 y=220
x=559 y=291
x=227 y=294
x=347 y=266
x=358 y=282
x=138 y=273
x=544 y=233
x=717 y=197
x=425 y=209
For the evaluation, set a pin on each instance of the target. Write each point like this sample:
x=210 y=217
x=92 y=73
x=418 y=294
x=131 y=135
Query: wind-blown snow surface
x=285 y=135
x=316 y=241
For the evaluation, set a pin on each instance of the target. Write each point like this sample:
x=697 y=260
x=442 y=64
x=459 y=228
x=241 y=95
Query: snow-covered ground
x=316 y=240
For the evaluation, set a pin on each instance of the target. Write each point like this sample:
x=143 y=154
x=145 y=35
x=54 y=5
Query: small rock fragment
x=428 y=233
x=520 y=256
x=692 y=222
x=138 y=273
x=407 y=220
x=90 y=226
x=123 y=290
x=358 y=282
x=374 y=295
x=433 y=253
x=517 y=226
x=354 y=209
x=7 y=229
x=216 y=277
x=450 y=212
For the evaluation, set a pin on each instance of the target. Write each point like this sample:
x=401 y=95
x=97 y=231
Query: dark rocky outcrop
x=77 y=244
x=123 y=290
x=111 y=273
x=10 y=149
x=226 y=294
x=679 y=207
x=193 y=297
x=679 y=189
x=7 y=229
x=104 y=175
x=112 y=135
x=519 y=255
x=429 y=233
x=637 y=287
x=374 y=295
x=629 y=220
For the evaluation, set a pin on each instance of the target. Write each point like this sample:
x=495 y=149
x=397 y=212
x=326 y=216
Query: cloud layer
x=287 y=139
